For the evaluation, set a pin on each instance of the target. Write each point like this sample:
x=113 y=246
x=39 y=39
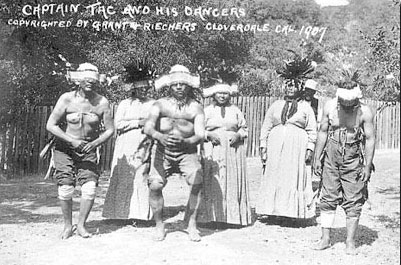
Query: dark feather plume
x=297 y=69
x=349 y=79
x=138 y=70
x=227 y=75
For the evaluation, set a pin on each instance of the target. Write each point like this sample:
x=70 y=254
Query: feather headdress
x=349 y=88
x=349 y=80
x=138 y=70
x=227 y=75
x=297 y=69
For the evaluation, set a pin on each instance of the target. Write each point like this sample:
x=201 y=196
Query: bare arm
x=57 y=115
x=321 y=139
x=108 y=124
x=199 y=128
x=150 y=124
x=368 y=127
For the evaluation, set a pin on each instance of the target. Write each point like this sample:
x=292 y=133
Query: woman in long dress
x=225 y=193
x=128 y=195
x=287 y=140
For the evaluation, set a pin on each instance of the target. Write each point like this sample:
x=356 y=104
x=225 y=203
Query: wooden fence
x=22 y=139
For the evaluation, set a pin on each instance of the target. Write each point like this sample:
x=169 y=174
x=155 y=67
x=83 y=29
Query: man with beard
x=346 y=145
x=176 y=122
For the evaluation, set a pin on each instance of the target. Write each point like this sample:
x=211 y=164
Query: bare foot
x=67 y=232
x=82 y=232
x=193 y=234
x=160 y=233
x=350 y=248
x=322 y=245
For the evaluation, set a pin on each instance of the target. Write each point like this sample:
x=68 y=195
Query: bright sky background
x=324 y=3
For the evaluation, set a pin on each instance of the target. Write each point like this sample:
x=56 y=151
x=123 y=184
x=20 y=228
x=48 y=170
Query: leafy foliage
x=269 y=51
x=32 y=72
x=384 y=63
x=37 y=50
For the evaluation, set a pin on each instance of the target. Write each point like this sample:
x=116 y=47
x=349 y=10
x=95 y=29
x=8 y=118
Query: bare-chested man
x=177 y=124
x=74 y=156
x=346 y=144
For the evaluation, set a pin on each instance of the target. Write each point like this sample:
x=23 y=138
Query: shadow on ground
x=364 y=236
x=107 y=226
x=287 y=222
x=388 y=221
x=20 y=199
x=33 y=201
x=177 y=224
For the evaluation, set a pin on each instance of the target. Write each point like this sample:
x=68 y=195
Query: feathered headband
x=178 y=74
x=220 y=88
x=349 y=86
x=77 y=73
x=226 y=82
x=85 y=70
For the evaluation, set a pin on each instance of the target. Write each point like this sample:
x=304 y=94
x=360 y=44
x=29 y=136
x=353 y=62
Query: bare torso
x=177 y=121
x=175 y=125
x=82 y=117
x=348 y=121
x=347 y=126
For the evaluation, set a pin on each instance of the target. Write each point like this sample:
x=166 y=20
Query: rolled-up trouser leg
x=88 y=190
x=65 y=192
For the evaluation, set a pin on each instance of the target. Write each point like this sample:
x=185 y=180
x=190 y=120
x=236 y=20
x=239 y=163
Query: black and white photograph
x=194 y=132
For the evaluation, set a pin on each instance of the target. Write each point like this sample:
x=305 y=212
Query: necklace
x=179 y=103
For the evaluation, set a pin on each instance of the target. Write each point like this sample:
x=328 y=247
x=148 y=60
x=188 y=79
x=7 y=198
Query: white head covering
x=349 y=94
x=311 y=84
x=85 y=70
x=220 y=88
x=178 y=74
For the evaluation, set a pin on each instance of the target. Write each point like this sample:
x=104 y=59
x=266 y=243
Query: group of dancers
x=206 y=145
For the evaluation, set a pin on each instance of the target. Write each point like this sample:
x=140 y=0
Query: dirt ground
x=30 y=222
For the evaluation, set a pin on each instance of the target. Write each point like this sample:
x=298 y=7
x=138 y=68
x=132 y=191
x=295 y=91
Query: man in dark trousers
x=346 y=144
